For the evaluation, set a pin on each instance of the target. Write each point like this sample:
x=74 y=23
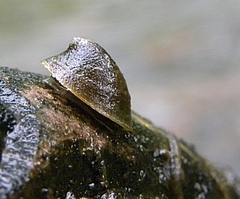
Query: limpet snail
x=88 y=72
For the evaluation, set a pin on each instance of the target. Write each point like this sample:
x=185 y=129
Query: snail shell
x=88 y=72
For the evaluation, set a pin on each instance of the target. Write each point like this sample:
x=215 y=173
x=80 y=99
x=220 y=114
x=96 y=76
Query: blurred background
x=180 y=59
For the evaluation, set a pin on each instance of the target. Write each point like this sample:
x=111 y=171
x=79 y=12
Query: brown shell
x=89 y=72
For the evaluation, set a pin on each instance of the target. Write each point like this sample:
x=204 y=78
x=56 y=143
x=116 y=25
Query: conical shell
x=89 y=72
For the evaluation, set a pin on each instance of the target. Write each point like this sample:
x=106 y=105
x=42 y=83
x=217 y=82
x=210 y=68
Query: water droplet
x=91 y=185
x=70 y=195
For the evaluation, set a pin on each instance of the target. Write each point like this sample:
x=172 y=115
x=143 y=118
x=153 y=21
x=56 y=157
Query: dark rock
x=51 y=148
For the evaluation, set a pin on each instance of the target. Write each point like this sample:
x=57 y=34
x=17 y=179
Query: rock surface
x=51 y=148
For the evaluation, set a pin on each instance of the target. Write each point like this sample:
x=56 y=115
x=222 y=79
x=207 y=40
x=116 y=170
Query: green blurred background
x=180 y=59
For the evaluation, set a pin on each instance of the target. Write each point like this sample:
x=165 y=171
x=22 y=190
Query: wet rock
x=51 y=148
